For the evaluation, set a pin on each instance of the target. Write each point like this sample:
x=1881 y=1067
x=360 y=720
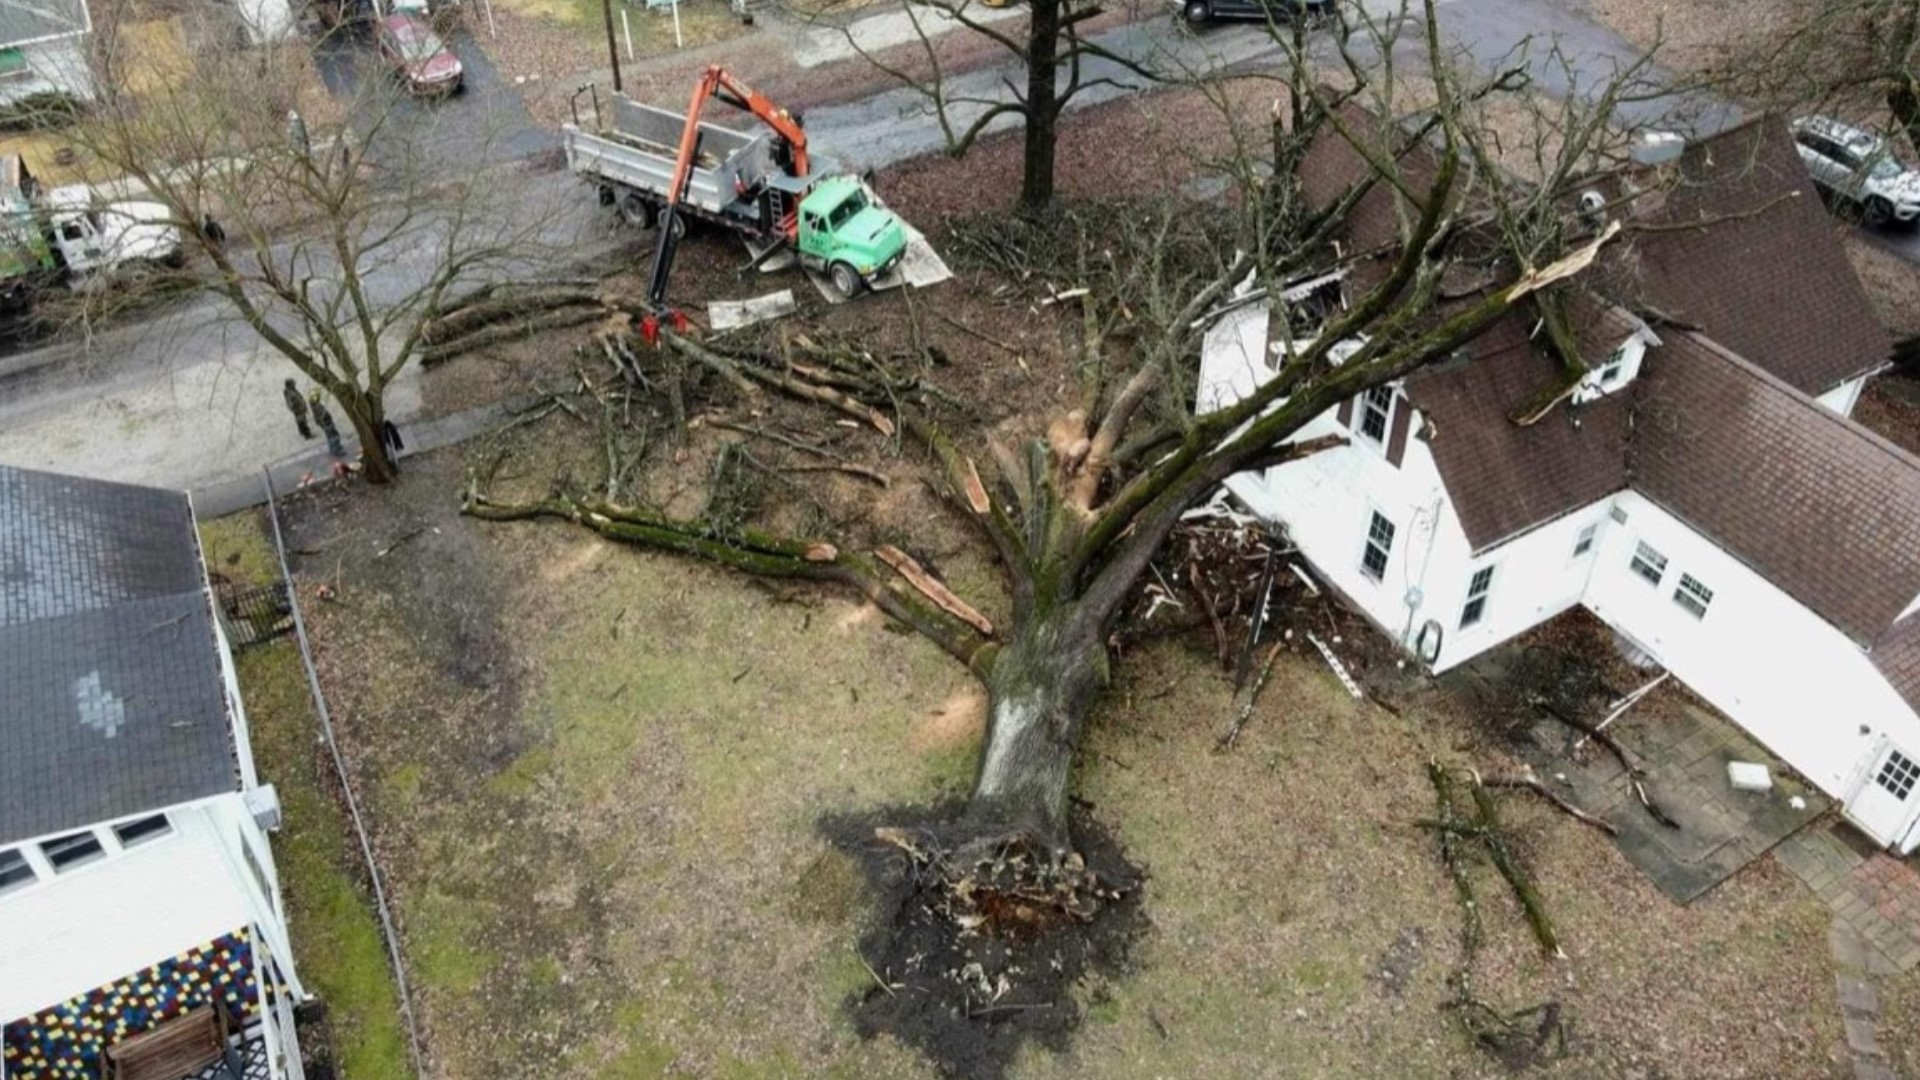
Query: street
x=191 y=397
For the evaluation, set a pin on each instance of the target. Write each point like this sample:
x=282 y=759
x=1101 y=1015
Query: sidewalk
x=246 y=491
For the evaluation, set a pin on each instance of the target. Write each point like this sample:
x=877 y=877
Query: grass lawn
x=597 y=774
x=336 y=938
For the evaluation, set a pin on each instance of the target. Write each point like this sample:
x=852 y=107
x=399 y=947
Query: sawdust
x=581 y=557
x=959 y=721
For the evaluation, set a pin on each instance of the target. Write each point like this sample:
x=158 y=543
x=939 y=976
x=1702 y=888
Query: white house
x=141 y=922
x=43 y=49
x=1715 y=508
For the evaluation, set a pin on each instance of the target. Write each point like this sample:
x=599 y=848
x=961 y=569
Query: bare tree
x=335 y=229
x=1850 y=54
x=1057 y=62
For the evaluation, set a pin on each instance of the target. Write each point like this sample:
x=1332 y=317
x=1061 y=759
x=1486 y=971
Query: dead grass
x=1892 y=284
x=1693 y=36
x=597 y=774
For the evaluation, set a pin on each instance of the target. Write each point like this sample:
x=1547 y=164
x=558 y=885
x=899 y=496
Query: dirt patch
x=971 y=1001
x=1892 y=283
x=959 y=720
x=1890 y=407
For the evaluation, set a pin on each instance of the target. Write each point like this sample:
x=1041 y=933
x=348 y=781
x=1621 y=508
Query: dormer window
x=1612 y=373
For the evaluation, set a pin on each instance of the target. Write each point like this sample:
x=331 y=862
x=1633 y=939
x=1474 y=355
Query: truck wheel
x=845 y=281
x=1877 y=213
x=636 y=211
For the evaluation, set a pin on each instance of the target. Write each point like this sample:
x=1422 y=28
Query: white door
x=1888 y=796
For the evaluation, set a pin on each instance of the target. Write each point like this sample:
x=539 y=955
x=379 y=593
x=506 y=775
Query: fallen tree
x=1076 y=514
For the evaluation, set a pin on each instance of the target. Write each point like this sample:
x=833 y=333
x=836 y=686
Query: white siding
x=52 y=67
x=1791 y=679
x=104 y=920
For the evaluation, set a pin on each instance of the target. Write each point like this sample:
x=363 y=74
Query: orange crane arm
x=715 y=82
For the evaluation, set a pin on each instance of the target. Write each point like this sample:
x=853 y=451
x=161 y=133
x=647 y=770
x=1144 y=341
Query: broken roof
x=112 y=700
x=1733 y=240
x=1503 y=478
x=1820 y=506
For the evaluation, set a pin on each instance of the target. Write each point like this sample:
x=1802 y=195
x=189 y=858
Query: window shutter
x=1397 y=434
x=1345 y=414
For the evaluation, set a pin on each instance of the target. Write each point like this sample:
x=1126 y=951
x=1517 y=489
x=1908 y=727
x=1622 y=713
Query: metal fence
x=254 y=614
x=346 y=784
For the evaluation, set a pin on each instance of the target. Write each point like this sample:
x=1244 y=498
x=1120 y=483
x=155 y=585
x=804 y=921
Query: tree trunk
x=365 y=413
x=1043 y=106
x=1041 y=686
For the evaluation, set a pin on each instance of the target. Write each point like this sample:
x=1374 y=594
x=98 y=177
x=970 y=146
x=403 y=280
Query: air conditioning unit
x=263 y=803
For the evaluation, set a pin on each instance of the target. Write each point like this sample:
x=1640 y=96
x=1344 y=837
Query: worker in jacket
x=325 y=419
x=297 y=405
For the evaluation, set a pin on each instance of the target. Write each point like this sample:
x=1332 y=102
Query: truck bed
x=636 y=145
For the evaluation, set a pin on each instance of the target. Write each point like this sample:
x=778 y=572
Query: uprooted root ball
x=978 y=946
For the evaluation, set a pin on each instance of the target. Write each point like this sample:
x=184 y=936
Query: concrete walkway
x=241 y=492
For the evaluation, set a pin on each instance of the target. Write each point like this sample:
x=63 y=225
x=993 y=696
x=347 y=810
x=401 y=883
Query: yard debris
x=932 y=588
x=734 y=314
x=1246 y=699
x=1339 y=669
x=1636 y=776
x=1522 y=1037
x=1620 y=707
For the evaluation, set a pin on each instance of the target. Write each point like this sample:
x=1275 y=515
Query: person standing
x=325 y=419
x=390 y=437
x=297 y=405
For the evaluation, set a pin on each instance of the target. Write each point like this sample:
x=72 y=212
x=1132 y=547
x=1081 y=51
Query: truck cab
x=91 y=236
x=846 y=235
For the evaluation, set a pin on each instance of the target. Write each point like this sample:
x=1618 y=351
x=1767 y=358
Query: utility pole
x=613 y=51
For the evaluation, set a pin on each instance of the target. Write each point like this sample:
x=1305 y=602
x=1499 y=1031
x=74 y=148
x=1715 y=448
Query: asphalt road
x=189 y=397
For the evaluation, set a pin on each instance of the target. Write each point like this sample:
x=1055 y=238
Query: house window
x=15 y=871
x=1898 y=774
x=253 y=867
x=141 y=830
x=74 y=849
x=1376 y=408
x=13 y=62
x=1379 y=545
x=1584 y=542
x=1476 y=597
x=1693 y=596
x=1610 y=371
x=1649 y=563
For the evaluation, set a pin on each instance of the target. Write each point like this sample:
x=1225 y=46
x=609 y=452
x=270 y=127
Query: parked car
x=1198 y=12
x=419 y=59
x=1860 y=169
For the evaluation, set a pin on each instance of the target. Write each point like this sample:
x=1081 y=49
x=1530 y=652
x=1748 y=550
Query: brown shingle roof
x=1898 y=656
x=1762 y=272
x=1816 y=504
x=1505 y=479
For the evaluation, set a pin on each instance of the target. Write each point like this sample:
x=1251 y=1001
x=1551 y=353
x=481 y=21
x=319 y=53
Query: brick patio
x=1876 y=895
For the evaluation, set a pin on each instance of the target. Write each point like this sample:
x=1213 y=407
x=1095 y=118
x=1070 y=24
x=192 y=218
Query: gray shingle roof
x=33 y=20
x=111 y=698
